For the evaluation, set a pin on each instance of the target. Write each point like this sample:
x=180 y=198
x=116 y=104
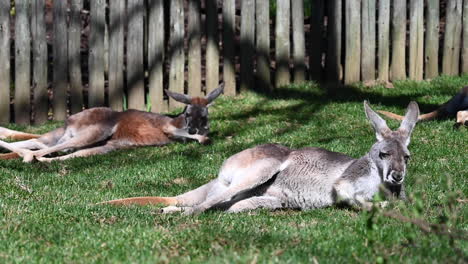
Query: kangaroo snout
x=397 y=177
x=192 y=131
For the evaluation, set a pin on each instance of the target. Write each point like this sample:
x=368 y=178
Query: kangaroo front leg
x=345 y=192
x=256 y=202
x=182 y=133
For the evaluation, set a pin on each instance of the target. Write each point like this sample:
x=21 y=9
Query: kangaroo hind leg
x=266 y=202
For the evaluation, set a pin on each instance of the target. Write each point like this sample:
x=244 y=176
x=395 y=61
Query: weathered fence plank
x=5 y=59
x=96 y=53
x=398 y=66
x=353 y=41
x=176 y=47
x=262 y=18
x=452 y=38
x=39 y=53
x=431 y=45
x=315 y=38
x=333 y=65
x=22 y=101
x=229 y=71
x=384 y=40
x=368 y=40
x=135 y=70
x=298 y=52
x=116 y=54
x=60 y=65
x=282 y=43
x=416 y=42
x=156 y=56
x=212 y=49
x=247 y=44
x=464 y=69
x=74 y=56
x=194 y=52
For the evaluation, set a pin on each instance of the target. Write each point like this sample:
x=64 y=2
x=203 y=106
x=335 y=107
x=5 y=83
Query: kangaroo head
x=196 y=111
x=390 y=153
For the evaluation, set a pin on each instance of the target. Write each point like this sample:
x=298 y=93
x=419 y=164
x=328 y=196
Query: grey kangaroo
x=101 y=130
x=273 y=176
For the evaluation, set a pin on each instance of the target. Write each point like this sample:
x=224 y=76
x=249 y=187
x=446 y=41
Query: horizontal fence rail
x=60 y=57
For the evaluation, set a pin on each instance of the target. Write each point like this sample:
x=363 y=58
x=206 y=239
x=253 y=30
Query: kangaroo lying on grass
x=273 y=176
x=100 y=130
x=456 y=106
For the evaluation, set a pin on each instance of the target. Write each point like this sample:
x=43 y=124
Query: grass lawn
x=47 y=211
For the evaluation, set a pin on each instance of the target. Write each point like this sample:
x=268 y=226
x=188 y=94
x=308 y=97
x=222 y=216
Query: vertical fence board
x=431 y=44
x=368 y=40
x=464 y=69
x=398 y=67
x=156 y=56
x=452 y=38
x=282 y=43
x=135 y=69
x=297 y=11
x=384 y=40
x=22 y=63
x=5 y=59
x=212 y=49
x=194 y=52
x=229 y=70
x=353 y=41
x=96 y=54
x=60 y=65
x=116 y=54
x=247 y=40
x=416 y=42
x=74 y=55
x=262 y=17
x=316 y=33
x=39 y=53
x=333 y=65
x=176 y=45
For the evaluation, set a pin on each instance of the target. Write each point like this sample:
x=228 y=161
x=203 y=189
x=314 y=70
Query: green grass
x=47 y=211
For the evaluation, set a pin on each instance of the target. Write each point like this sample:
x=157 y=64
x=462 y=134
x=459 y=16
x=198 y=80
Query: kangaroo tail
x=7 y=156
x=424 y=117
x=16 y=135
x=147 y=200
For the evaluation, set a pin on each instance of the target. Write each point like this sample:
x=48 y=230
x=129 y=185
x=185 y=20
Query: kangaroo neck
x=179 y=121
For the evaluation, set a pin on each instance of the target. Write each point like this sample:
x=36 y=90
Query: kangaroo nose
x=192 y=131
x=397 y=176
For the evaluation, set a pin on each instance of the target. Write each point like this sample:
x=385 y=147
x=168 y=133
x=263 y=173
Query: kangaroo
x=456 y=106
x=274 y=176
x=101 y=130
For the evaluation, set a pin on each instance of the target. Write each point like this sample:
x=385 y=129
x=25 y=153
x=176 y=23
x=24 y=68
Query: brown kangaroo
x=457 y=107
x=101 y=130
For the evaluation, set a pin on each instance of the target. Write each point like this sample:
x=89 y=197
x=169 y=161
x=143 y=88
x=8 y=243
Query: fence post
x=432 y=39
x=156 y=56
x=368 y=40
x=333 y=66
x=384 y=40
x=229 y=70
x=297 y=12
x=398 y=67
x=135 y=68
x=39 y=53
x=452 y=38
x=212 y=49
x=416 y=42
x=247 y=44
x=74 y=55
x=282 y=44
x=176 y=42
x=116 y=54
x=194 y=52
x=96 y=54
x=22 y=63
x=262 y=12
x=464 y=69
x=353 y=41
x=5 y=59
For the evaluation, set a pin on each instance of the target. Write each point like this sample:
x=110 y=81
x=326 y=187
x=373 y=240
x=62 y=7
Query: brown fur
x=7 y=156
x=143 y=201
x=199 y=101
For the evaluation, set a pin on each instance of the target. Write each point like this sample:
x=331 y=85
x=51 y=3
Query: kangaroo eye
x=407 y=157
x=384 y=155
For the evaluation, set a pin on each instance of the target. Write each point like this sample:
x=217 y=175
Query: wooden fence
x=59 y=57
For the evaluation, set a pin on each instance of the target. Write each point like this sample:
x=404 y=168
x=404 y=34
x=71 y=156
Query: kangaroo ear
x=179 y=97
x=408 y=123
x=215 y=93
x=379 y=125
